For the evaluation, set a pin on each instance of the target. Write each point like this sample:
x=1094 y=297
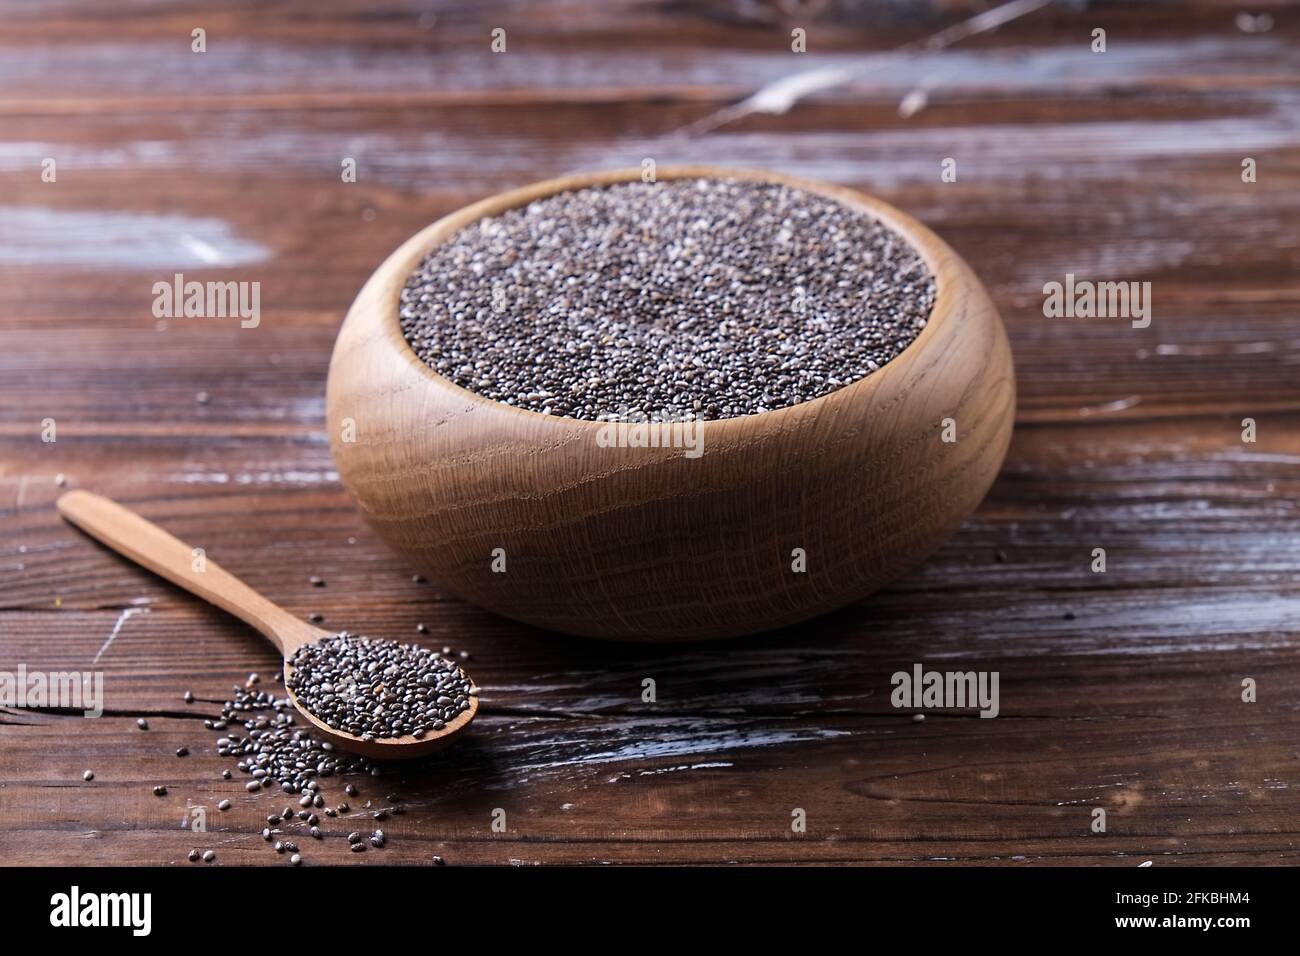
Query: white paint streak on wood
x=1116 y=406
x=45 y=237
x=707 y=765
x=780 y=96
x=290 y=477
x=207 y=252
x=681 y=738
x=122 y=618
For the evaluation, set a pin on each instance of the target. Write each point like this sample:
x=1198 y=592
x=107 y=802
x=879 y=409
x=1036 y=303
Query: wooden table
x=1119 y=690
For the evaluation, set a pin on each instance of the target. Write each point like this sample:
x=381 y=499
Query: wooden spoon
x=151 y=547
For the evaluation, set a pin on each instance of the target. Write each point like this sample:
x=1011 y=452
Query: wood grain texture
x=1119 y=690
x=659 y=543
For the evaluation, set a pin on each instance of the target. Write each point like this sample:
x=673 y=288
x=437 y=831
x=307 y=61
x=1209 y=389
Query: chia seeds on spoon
x=378 y=689
x=704 y=298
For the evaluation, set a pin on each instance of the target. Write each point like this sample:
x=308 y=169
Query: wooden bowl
x=645 y=543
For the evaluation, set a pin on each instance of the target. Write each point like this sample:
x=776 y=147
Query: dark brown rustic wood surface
x=1119 y=690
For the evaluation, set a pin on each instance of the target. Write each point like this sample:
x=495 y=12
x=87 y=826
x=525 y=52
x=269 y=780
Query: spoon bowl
x=383 y=748
x=150 y=547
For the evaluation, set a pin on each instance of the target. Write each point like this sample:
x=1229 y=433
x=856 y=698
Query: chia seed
x=270 y=748
x=377 y=689
x=696 y=298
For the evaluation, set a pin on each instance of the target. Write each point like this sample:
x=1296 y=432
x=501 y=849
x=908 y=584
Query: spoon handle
x=151 y=547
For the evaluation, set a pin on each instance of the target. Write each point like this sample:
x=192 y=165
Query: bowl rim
x=399 y=265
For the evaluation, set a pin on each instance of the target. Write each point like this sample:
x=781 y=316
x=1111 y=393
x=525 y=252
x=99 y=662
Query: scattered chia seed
x=271 y=749
x=317 y=582
x=88 y=776
x=295 y=859
x=378 y=689
x=439 y=861
x=209 y=856
x=182 y=751
x=704 y=298
x=194 y=855
x=188 y=697
x=142 y=723
x=160 y=791
x=315 y=618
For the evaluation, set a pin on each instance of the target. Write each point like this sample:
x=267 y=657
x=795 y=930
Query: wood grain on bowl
x=640 y=543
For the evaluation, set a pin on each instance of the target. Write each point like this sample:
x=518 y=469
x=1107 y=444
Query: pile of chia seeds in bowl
x=689 y=298
x=378 y=689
